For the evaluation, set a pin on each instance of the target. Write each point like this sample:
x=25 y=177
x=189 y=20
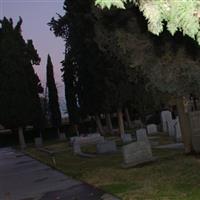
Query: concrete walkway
x=23 y=178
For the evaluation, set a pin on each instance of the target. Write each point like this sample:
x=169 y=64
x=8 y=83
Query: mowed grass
x=174 y=176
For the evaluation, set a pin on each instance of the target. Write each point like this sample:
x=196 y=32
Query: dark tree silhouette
x=53 y=103
x=19 y=84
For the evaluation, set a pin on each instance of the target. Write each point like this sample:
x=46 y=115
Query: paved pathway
x=23 y=178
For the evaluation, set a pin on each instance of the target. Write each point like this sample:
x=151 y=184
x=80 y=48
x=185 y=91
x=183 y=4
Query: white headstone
x=152 y=128
x=167 y=124
x=178 y=134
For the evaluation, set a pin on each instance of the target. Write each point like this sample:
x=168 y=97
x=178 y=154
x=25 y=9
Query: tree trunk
x=21 y=138
x=120 y=122
x=128 y=118
x=76 y=129
x=58 y=132
x=99 y=125
x=109 y=123
x=185 y=126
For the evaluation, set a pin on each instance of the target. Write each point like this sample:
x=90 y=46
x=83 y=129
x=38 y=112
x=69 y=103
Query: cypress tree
x=96 y=77
x=19 y=84
x=55 y=114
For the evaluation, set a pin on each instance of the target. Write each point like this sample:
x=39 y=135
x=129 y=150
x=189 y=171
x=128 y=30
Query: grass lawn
x=173 y=177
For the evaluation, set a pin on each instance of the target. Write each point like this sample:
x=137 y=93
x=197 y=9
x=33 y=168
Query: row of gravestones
x=171 y=126
x=134 y=153
x=102 y=145
x=150 y=129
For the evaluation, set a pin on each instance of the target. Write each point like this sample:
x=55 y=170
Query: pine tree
x=19 y=85
x=53 y=103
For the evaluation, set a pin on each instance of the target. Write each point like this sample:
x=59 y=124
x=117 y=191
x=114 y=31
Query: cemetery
x=115 y=112
x=150 y=163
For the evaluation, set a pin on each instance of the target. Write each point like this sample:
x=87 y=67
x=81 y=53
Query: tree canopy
x=19 y=84
x=100 y=81
x=181 y=15
x=170 y=62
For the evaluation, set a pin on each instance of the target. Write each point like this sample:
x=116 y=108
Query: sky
x=36 y=14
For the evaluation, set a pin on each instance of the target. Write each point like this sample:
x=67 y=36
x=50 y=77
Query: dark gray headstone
x=106 y=147
x=62 y=136
x=76 y=148
x=38 y=142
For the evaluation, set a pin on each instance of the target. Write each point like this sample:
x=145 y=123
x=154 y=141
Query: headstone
x=80 y=141
x=76 y=148
x=137 y=123
x=1 y=127
x=127 y=138
x=106 y=147
x=72 y=139
x=136 y=153
x=172 y=133
x=141 y=135
x=167 y=123
x=62 y=136
x=152 y=128
x=141 y=131
x=87 y=139
x=94 y=135
x=178 y=134
x=38 y=142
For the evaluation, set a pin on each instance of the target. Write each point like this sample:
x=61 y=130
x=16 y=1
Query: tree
x=183 y=15
x=55 y=114
x=61 y=28
x=19 y=84
x=170 y=63
x=97 y=83
x=70 y=79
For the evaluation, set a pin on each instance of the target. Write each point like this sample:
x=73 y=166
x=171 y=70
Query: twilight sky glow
x=36 y=14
